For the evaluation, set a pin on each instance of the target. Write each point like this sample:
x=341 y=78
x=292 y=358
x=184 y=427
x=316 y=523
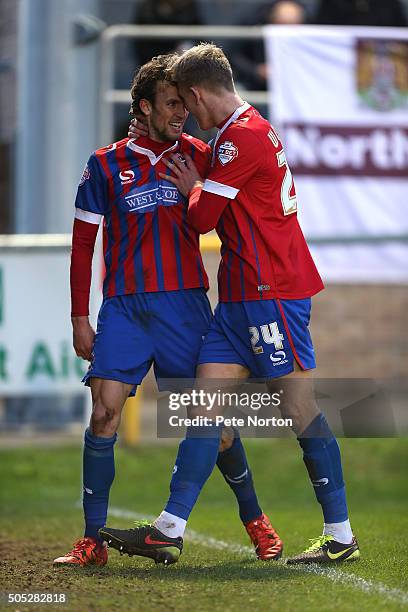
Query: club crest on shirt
x=181 y=158
x=227 y=151
x=85 y=175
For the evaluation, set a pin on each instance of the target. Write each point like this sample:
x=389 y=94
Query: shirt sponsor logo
x=227 y=151
x=147 y=197
x=264 y=287
x=85 y=175
x=126 y=177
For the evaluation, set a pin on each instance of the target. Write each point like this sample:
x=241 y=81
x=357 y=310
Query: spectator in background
x=248 y=57
x=165 y=12
x=361 y=12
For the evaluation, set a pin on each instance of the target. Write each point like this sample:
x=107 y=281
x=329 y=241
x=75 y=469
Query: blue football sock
x=195 y=461
x=98 y=475
x=233 y=465
x=321 y=455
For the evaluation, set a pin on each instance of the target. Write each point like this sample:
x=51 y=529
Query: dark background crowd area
x=247 y=57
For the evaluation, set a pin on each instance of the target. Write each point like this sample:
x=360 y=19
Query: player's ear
x=145 y=107
x=196 y=93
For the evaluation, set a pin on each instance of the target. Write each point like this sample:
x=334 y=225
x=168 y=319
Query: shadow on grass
x=244 y=570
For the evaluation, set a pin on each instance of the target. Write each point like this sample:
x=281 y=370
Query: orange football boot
x=268 y=545
x=86 y=551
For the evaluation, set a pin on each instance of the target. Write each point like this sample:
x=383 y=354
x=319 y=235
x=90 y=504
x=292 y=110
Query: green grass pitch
x=40 y=518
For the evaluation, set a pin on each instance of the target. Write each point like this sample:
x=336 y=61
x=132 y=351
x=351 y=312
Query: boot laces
x=316 y=543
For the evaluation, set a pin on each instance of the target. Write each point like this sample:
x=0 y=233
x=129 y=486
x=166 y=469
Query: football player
x=266 y=280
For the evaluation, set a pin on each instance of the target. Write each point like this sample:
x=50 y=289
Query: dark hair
x=145 y=80
x=204 y=64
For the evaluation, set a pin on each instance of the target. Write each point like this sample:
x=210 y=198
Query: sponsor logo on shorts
x=278 y=358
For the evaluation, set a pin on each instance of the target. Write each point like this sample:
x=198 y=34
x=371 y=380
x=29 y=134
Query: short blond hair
x=205 y=64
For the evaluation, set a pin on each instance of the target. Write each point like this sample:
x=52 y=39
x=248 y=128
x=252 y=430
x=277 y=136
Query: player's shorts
x=165 y=328
x=267 y=337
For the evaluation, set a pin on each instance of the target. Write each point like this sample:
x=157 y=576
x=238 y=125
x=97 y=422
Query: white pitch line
x=332 y=574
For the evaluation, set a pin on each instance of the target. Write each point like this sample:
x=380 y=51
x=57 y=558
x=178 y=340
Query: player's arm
x=205 y=208
x=89 y=205
x=237 y=159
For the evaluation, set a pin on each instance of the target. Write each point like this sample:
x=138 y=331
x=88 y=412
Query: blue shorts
x=165 y=328
x=266 y=337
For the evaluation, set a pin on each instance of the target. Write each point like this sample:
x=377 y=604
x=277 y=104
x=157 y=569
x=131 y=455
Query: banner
x=36 y=353
x=339 y=98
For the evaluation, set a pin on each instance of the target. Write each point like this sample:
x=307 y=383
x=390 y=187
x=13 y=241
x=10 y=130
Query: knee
x=227 y=439
x=104 y=419
x=300 y=415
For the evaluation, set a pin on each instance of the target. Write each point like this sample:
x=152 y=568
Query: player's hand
x=137 y=128
x=83 y=337
x=184 y=174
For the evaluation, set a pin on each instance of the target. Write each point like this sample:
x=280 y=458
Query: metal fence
x=109 y=96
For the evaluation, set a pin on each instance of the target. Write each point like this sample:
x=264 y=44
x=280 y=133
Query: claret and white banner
x=339 y=98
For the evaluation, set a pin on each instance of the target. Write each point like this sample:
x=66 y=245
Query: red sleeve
x=83 y=243
x=204 y=209
x=238 y=156
x=202 y=161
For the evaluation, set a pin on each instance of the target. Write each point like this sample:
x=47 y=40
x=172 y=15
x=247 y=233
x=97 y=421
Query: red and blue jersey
x=250 y=198
x=149 y=245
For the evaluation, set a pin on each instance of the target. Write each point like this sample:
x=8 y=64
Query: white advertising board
x=36 y=354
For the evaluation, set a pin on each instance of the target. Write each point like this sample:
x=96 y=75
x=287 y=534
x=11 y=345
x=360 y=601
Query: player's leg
x=321 y=452
x=234 y=466
x=215 y=352
x=321 y=455
x=181 y=324
x=121 y=360
x=197 y=454
x=196 y=459
x=108 y=398
x=231 y=460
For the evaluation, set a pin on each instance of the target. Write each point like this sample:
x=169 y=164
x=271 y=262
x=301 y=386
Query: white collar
x=152 y=157
x=237 y=113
